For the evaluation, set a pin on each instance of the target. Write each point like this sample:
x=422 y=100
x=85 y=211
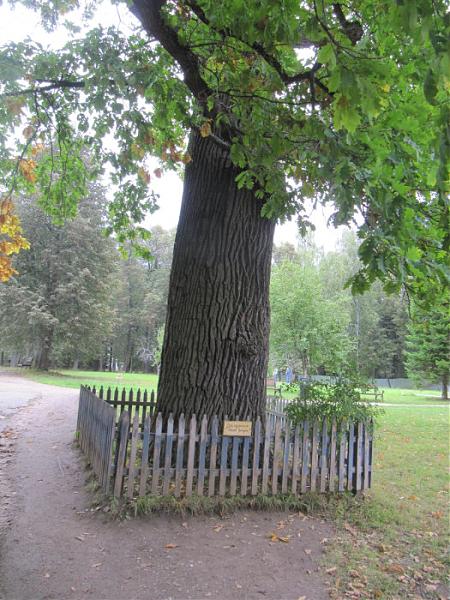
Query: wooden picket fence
x=96 y=431
x=192 y=457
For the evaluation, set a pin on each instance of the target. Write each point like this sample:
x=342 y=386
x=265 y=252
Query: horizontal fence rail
x=193 y=457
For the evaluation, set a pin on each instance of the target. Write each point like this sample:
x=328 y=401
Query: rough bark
x=215 y=351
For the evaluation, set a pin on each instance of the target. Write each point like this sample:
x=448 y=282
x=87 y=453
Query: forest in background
x=77 y=302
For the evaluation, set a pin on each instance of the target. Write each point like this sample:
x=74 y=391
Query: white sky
x=19 y=23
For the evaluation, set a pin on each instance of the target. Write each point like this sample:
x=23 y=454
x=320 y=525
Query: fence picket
x=124 y=427
x=213 y=456
x=256 y=451
x=305 y=457
x=123 y=400
x=332 y=457
x=244 y=472
x=323 y=456
x=168 y=456
x=351 y=456
x=286 y=452
x=314 y=455
x=202 y=455
x=266 y=457
x=295 y=460
x=145 y=453
x=138 y=408
x=342 y=444
x=144 y=405
x=366 y=455
x=156 y=454
x=180 y=456
x=191 y=455
x=359 y=456
x=132 y=467
x=234 y=465
x=223 y=465
x=276 y=457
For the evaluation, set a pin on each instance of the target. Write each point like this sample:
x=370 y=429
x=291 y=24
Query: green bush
x=341 y=401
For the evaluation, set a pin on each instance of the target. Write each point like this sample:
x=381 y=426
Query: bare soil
x=53 y=545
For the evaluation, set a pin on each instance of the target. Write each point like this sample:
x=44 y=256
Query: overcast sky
x=18 y=23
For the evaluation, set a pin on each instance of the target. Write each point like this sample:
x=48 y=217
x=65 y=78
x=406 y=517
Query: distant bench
x=375 y=395
x=25 y=363
x=272 y=389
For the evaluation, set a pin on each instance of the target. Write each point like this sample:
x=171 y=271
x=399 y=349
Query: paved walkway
x=54 y=546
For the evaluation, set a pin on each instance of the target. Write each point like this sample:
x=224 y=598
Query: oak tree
x=283 y=102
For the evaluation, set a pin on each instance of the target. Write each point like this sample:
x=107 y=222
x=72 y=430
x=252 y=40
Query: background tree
x=358 y=120
x=377 y=319
x=428 y=343
x=309 y=328
x=141 y=303
x=59 y=307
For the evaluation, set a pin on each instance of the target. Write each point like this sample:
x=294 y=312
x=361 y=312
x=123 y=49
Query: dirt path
x=52 y=546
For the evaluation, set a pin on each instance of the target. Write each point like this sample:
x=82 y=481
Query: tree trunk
x=215 y=351
x=445 y=386
x=44 y=357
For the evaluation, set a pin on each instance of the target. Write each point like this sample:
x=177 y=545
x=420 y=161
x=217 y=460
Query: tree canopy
x=322 y=101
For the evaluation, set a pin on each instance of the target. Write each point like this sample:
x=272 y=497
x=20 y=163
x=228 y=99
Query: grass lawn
x=393 y=543
x=73 y=379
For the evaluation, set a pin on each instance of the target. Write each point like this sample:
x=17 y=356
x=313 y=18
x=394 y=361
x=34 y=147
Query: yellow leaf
x=12 y=240
x=278 y=538
x=205 y=129
x=142 y=173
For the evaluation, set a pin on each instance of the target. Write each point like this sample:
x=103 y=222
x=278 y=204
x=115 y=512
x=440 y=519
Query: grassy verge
x=393 y=543
x=73 y=379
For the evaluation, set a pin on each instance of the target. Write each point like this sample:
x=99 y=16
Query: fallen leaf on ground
x=394 y=568
x=278 y=538
x=307 y=551
x=170 y=546
x=331 y=570
x=350 y=529
x=218 y=527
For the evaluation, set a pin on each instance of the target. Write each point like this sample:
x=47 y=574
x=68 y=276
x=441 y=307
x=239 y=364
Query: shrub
x=341 y=401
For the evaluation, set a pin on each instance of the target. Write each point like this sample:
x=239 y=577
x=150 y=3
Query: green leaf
x=430 y=88
x=327 y=55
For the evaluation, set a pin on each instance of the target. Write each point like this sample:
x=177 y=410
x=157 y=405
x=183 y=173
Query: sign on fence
x=239 y=428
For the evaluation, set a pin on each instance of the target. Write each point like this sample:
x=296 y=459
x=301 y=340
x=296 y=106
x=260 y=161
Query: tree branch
x=52 y=85
x=352 y=29
x=261 y=51
x=149 y=14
